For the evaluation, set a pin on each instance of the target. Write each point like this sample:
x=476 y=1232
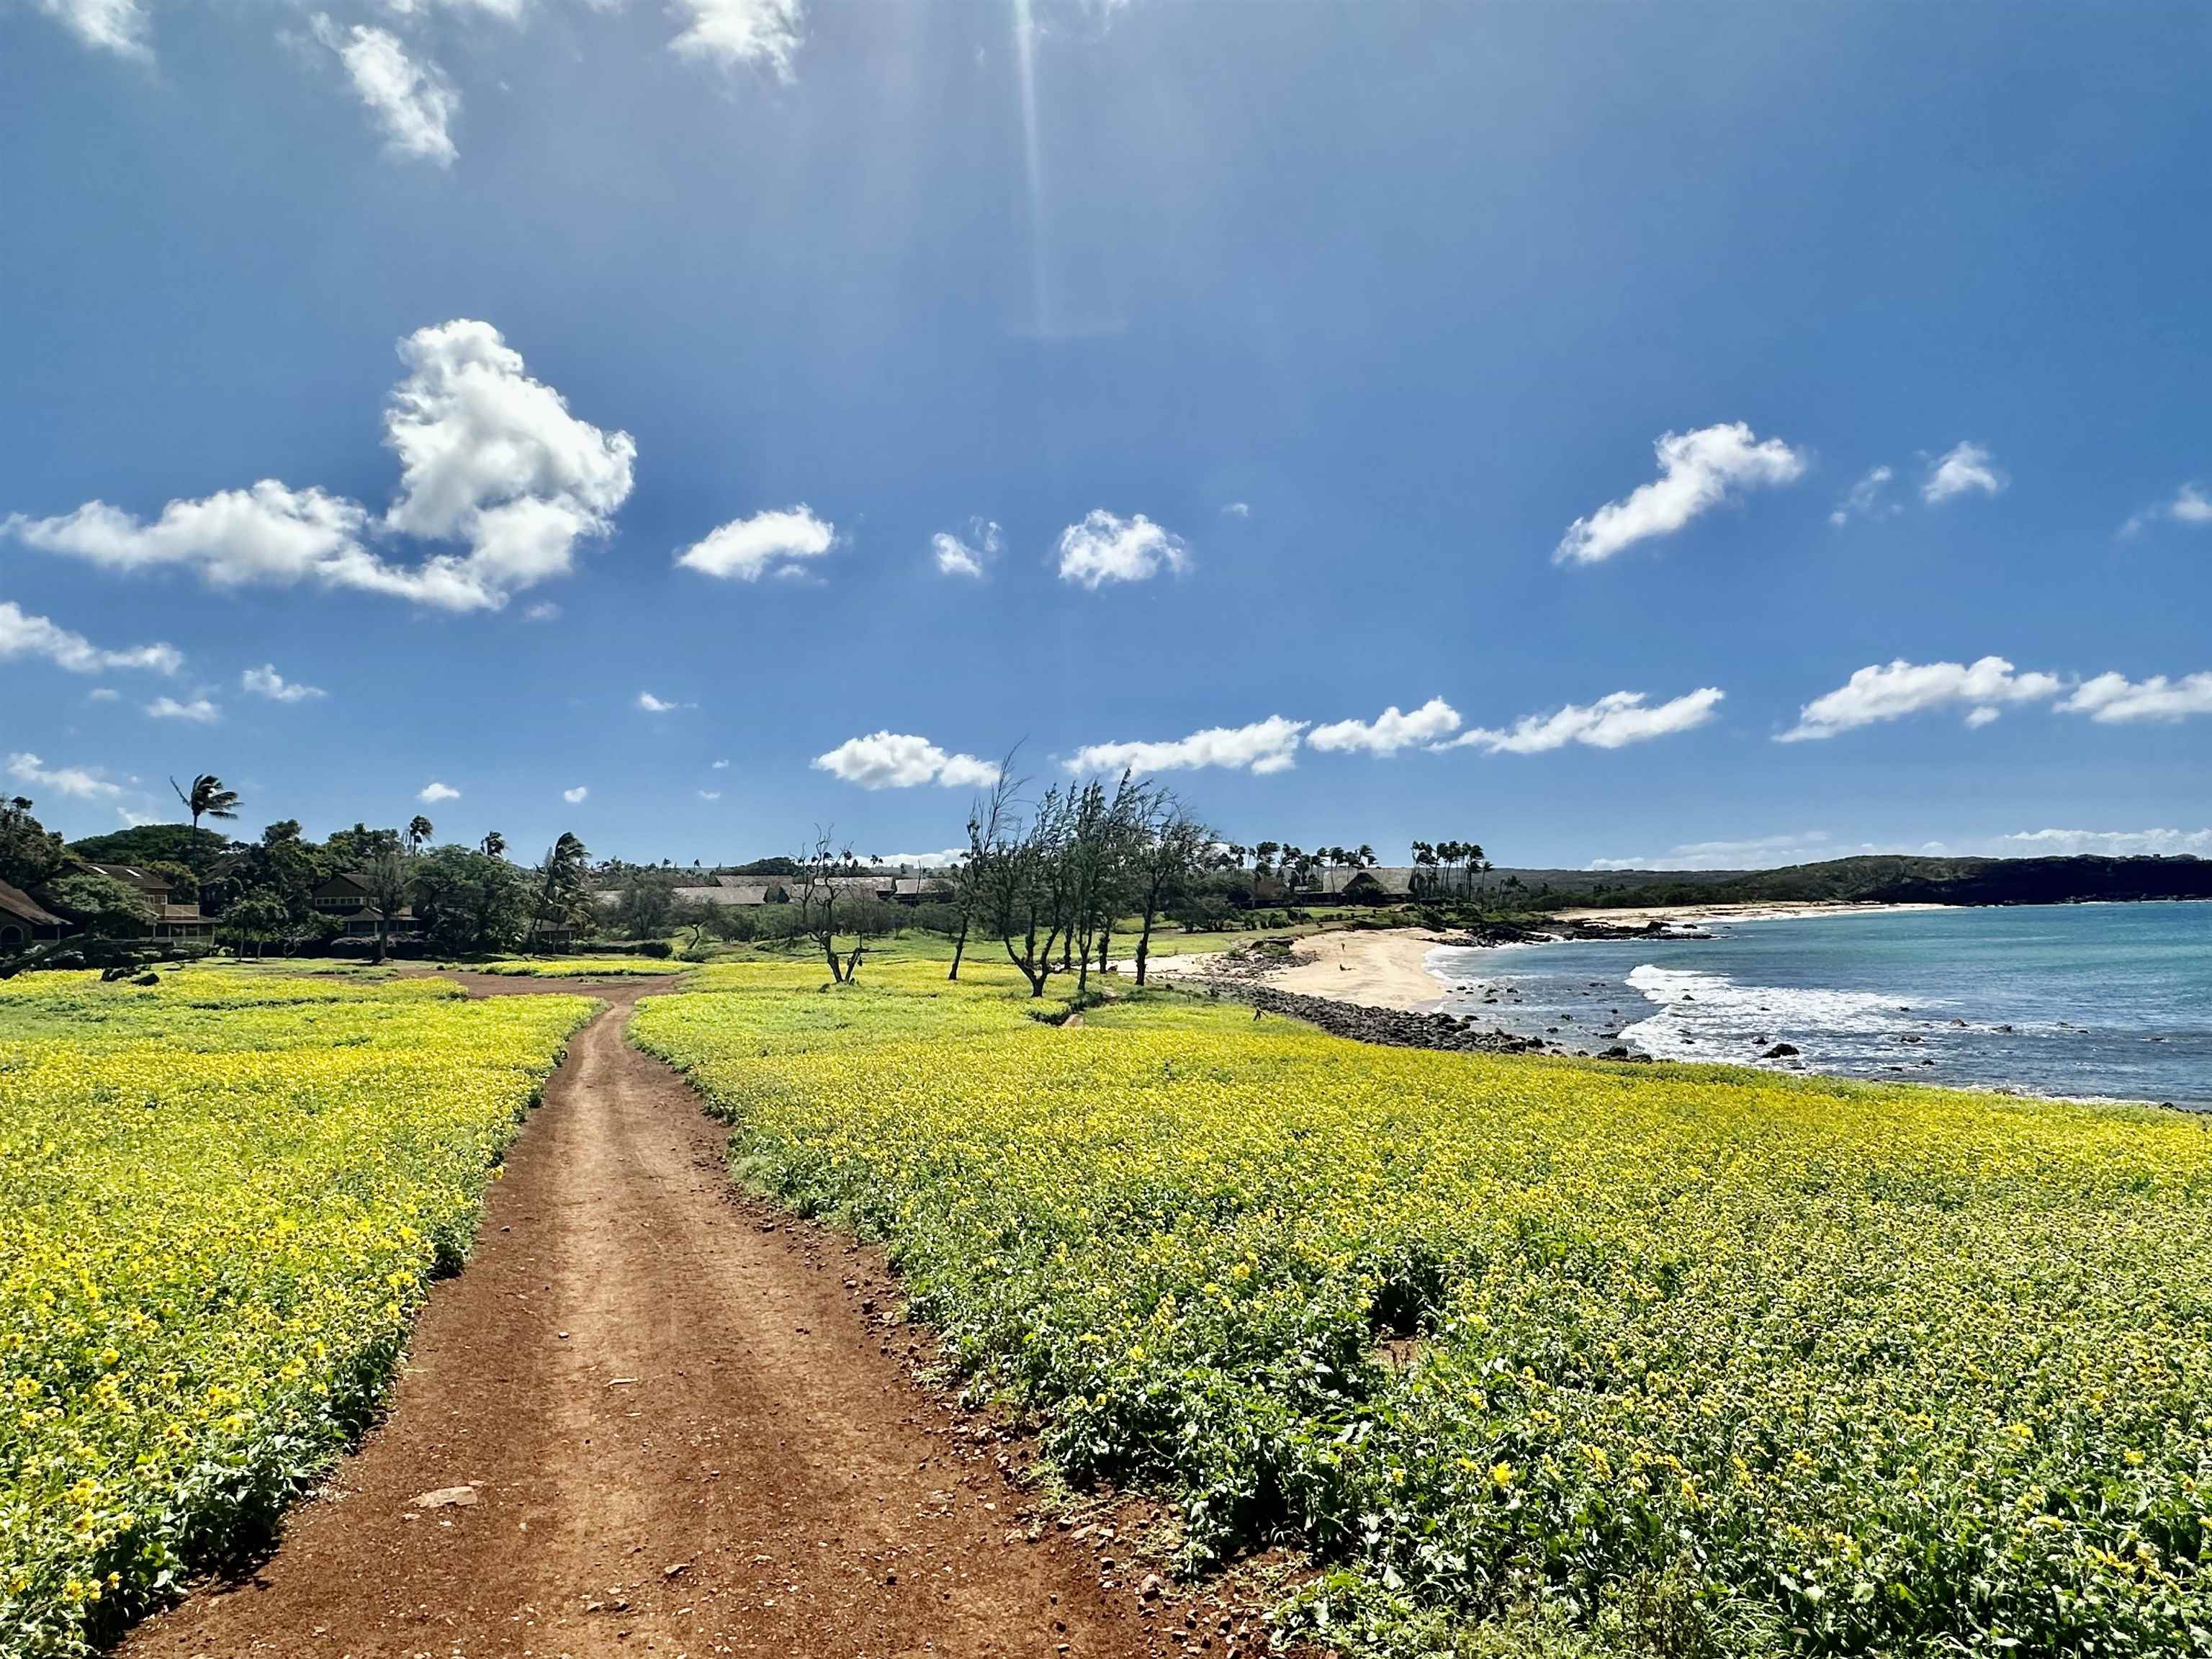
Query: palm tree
x=206 y=798
x=419 y=831
x=494 y=845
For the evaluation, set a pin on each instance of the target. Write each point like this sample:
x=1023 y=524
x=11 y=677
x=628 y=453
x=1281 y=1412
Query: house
x=171 y=921
x=345 y=899
x=24 y=922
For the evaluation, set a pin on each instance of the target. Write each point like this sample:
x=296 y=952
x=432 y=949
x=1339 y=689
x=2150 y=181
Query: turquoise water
x=2103 y=1000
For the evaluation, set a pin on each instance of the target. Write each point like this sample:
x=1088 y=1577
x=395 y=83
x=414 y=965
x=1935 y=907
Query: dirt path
x=684 y=1430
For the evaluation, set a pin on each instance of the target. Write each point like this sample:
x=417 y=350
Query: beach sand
x=1699 y=915
x=1376 y=968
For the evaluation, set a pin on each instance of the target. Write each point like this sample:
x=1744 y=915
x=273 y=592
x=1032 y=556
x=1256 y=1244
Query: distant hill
x=1878 y=878
x=144 y=842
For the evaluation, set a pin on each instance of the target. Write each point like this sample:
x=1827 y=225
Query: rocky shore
x=1396 y=1028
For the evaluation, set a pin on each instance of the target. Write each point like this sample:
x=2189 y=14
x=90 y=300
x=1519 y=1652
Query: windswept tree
x=494 y=845
x=1106 y=831
x=826 y=905
x=206 y=798
x=563 y=897
x=987 y=817
x=1026 y=887
x=419 y=831
x=1174 y=849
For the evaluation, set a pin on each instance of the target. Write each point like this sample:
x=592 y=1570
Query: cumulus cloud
x=490 y=458
x=956 y=557
x=86 y=783
x=2111 y=699
x=116 y=26
x=1890 y=691
x=898 y=760
x=945 y=859
x=775 y=543
x=1867 y=499
x=1105 y=548
x=2111 y=843
x=763 y=33
x=2189 y=506
x=1697 y=471
x=412 y=102
x=266 y=682
x=1388 y=732
x=1960 y=471
x=433 y=792
x=23 y=634
x=574 y=796
x=1265 y=746
x=1615 y=720
x=198 y=710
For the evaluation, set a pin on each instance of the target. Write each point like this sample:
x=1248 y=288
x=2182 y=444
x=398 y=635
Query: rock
x=446 y=1498
x=1780 y=1051
x=1150 y=1589
x=1618 y=1051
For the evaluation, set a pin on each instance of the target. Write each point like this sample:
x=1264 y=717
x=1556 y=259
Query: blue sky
x=1526 y=370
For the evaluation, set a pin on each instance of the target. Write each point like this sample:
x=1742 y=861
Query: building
x=345 y=899
x=171 y=921
x=24 y=922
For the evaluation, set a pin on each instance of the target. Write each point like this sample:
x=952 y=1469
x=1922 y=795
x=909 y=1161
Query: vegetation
x=1684 y=1359
x=221 y=1199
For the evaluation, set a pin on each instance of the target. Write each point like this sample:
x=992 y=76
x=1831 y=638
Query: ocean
x=2111 y=1000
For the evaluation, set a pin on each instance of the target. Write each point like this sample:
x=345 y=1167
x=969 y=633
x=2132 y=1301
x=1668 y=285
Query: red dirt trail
x=687 y=1431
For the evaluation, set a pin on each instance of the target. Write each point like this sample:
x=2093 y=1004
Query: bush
x=656 y=948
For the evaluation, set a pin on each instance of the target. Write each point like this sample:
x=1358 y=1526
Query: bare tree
x=1107 y=831
x=1174 y=848
x=1025 y=887
x=987 y=817
x=819 y=890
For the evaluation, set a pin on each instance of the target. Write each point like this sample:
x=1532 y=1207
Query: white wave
x=1702 y=1016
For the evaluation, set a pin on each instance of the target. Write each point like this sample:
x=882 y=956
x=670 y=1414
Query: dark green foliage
x=178 y=844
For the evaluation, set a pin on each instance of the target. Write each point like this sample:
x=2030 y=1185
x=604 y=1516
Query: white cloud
x=103 y=694
x=116 y=26
x=1867 y=499
x=1984 y=715
x=2110 y=699
x=957 y=557
x=1104 y=548
x=1697 y=471
x=770 y=543
x=2189 y=506
x=1265 y=746
x=412 y=102
x=766 y=33
x=2111 y=843
x=720 y=766
x=266 y=682
x=134 y=820
x=945 y=859
x=433 y=792
x=488 y=457
x=199 y=710
x=1960 y=470
x=896 y=760
x=1617 y=718
x=1757 y=852
x=1237 y=509
x=574 y=796
x=1388 y=732
x=1891 y=691
x=543 y=610
x=653 y=705
x=86 y=783
x=507 y=11
x=23 y=634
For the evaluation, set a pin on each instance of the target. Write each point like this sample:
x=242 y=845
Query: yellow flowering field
x=222 y=1200
x=576 y=967
x=1680 y=1359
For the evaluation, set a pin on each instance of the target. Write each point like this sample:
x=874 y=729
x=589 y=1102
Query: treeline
x=1886 y=879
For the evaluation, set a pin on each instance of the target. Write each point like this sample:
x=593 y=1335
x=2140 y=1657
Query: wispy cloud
x=266 y=682
x=1614 y=722
x=1964 y=470
x=1697 y=471
x=23 y=634
x=965 y=556
x=116 y=26
x=84 y=782
x=757 y=33
x=775 y=543
x=413 y=103
x=1867 y=499
x=198 y=710
x=653 y=705
x=2189 y=506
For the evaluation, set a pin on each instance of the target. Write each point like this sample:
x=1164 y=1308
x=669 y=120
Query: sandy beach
x=1374 y=967
x=1701 y=915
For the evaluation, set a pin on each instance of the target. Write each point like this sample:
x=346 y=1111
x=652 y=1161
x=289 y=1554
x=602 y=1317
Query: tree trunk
x=1144 y=946
x=959 y=947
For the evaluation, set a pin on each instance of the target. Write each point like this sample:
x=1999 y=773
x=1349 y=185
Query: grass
x=608 y=967
x=222 y=1200
x=1530 y=1354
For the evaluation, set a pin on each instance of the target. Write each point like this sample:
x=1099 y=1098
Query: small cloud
x=769 y=543
x=1961 y=471
x=23 y=634
x=266 y=682
x=710 y=795
x=762 y=34
x=1867 y=499
x=1697 y=471
x=574 y=796
x=720 y=766
x=1614 y=722
x=412 y=102
x=1263 y=747
x=1890 y=691
x=199 y=709
x=116 y=26
x=433 y=792
x=898 y=760
x=2189 y=506
x=958 y=557
x=1236 y=510
x=945 y=859
x=1104 y=548
x=653 y=705
x=84 y=782
x=102 y=693
x=544 y=612
x=2111 y=699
